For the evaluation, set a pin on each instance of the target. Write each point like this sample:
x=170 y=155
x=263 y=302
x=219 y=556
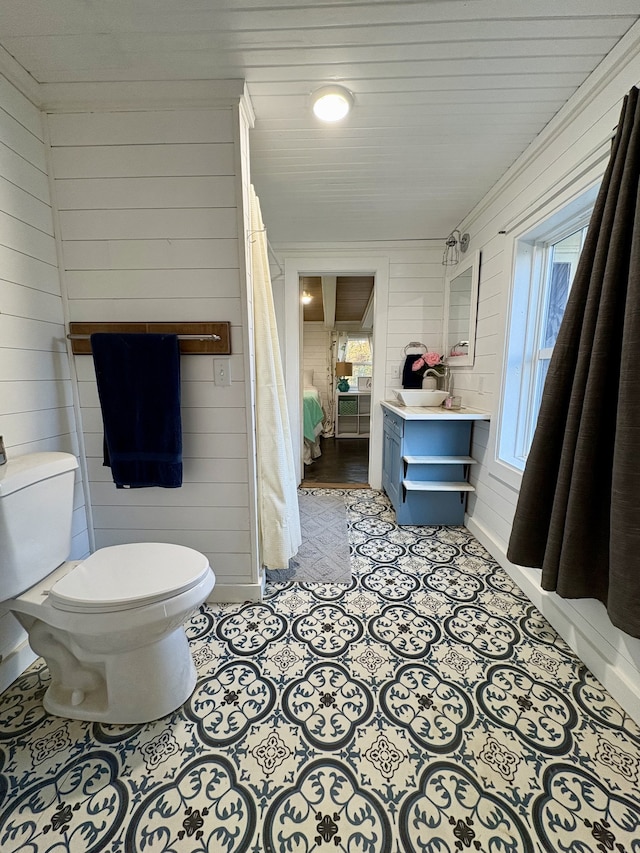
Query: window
x=546 y=259
x=358 y=352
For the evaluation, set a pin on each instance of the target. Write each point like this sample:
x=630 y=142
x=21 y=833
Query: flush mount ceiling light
x=331 y=103
x=306 y=297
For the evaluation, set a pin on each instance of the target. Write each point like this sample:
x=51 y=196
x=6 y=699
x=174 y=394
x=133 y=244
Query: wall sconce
x=343 y=369
x=454 y=244
x=331 y=103
x=306 y=297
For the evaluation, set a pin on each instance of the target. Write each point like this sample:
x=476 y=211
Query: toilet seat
x=122 y=577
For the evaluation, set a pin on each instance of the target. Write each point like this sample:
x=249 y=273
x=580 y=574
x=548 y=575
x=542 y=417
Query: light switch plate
x=222 y=371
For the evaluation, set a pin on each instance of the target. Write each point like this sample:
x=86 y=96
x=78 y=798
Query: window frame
x=359 y=336
x=525 y=312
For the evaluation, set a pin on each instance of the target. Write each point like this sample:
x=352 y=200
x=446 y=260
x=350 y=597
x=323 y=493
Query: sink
x=419 y=397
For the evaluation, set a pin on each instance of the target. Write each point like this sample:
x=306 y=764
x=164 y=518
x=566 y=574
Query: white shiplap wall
x=36 y=401
x=150 y=204
x=567 y=159
x=416 y=305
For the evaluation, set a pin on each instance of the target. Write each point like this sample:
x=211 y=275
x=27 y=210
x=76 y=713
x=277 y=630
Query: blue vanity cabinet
x=392 y=456
x=425 y=464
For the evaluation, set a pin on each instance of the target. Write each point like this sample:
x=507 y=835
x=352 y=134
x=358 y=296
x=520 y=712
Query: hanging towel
x=138 y=380
x=412 y=378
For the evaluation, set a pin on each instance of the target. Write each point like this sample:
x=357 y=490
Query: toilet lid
x=121 y=577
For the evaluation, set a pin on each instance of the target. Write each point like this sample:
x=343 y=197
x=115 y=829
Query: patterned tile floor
x=427 y=706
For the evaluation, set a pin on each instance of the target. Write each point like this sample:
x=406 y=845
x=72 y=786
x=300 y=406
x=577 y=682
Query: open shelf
x=439 y=460
x=353 y=414
x=437 y=486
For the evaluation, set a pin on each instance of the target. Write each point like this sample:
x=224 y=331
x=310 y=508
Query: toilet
x=109 y=627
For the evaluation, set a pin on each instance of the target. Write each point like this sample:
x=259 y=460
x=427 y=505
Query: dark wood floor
x=343 y=461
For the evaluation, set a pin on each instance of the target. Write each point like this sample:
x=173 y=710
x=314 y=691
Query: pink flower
x=432 y=358
x=427 y=359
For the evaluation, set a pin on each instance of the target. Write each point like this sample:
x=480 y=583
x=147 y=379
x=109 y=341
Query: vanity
x=426 y=462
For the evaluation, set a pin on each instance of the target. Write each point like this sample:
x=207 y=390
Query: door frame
x=347 y=264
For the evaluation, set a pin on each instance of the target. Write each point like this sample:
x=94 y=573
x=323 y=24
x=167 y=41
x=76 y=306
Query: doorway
x=337 y=367
x=345 y=263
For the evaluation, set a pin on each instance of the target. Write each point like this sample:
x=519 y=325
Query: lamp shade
x=344 y=368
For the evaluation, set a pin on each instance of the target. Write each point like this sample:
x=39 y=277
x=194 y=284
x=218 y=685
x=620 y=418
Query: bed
x=313 y=416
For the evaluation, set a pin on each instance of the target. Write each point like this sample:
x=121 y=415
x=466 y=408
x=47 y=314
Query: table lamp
x=343 y=369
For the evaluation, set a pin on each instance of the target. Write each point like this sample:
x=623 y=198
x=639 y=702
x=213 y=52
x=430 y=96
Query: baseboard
x=14 y=664
x=586 y=636
x=228 y=593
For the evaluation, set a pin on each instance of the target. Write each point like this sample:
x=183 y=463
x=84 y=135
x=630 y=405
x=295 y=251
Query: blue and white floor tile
x=426 y=707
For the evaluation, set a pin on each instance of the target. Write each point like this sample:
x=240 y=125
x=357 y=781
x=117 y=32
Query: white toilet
x=110 y=627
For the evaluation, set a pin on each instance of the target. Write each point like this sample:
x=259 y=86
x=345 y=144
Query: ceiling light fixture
x=306 y=297
x=331 y=103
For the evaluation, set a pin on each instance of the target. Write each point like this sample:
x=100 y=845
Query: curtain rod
x=598 y=154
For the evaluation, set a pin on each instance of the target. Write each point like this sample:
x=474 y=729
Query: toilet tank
x=36 y=507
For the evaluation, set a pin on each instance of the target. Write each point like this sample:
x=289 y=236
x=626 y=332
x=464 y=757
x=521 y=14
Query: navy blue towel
x=412 y=378
x=138 y=380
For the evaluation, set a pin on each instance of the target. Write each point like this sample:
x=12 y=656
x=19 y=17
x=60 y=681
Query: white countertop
x=435 y=413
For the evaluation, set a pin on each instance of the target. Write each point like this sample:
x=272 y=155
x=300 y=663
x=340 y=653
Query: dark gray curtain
x=578 y=513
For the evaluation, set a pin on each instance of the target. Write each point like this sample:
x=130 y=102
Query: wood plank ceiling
x=447 y=93
x=352 y=297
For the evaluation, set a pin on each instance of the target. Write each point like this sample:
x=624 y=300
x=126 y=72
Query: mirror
x=460 y=307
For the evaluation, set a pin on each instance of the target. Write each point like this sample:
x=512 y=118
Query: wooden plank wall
x=148 y=213
x=416 y=304
x=316 y=356
x=36 y=402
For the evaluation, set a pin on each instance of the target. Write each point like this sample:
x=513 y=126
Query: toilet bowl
x=111 y=631
x=110 y=627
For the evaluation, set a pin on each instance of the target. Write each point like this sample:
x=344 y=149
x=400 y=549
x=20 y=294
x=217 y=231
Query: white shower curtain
x=278 y=511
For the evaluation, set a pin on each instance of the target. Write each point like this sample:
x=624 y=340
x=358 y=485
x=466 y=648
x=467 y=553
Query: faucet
x=443 y=377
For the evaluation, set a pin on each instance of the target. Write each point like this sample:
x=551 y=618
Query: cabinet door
x=391 y=463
